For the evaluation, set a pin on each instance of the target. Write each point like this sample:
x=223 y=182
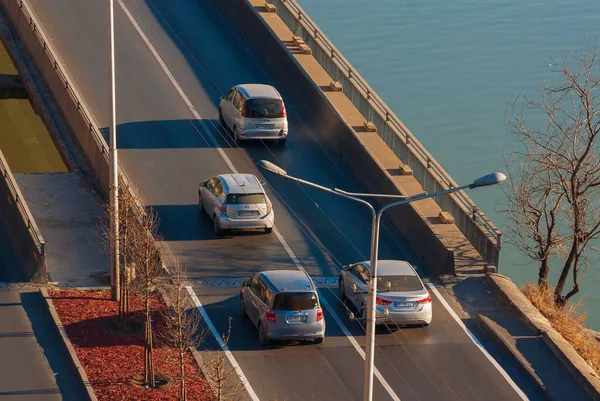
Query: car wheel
x=236 y=136
x=262 y=337
x=221 y=119
x=242 y=307
x=217 y=226
x=200 y=204
x=268 y=230
x=363 y=311
x=342 y=292
x=319 y=340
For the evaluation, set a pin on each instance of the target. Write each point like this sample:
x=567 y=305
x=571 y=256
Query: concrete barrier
x=23 y=233
x=510 y=295
x=474 y=224
x=293 y=81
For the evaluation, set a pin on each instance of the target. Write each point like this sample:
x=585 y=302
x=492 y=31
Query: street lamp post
x=115 y=276
x=490 y=179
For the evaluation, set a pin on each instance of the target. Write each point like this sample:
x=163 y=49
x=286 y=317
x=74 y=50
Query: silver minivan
x=283 y=305
x=254 y=111
x=236 y=202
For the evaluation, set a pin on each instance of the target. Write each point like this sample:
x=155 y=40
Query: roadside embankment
x=511 y=295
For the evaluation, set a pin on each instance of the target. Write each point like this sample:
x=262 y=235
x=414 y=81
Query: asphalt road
x=169 y=77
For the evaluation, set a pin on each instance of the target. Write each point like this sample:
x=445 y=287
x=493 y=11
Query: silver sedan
x=402 y=298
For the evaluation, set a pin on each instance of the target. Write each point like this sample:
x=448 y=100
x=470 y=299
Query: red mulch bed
x=111 y=359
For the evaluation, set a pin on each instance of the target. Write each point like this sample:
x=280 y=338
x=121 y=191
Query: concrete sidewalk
x=69 y=218
x=34 y=365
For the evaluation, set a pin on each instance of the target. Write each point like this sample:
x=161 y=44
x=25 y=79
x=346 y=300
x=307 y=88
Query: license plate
x=296 y=318
x=264 y=126
x=403 y=304
x=247 y=213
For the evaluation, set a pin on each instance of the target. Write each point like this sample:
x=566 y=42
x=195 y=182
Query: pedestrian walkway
x=35 y=366
x=69 y=218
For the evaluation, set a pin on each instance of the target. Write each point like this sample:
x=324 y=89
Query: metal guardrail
x=17 y=198
x=401 y=131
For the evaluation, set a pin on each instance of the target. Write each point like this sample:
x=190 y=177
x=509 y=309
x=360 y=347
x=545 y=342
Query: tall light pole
x=490 y=179
x=115 y=276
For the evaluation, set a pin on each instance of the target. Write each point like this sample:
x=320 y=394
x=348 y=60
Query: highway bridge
x=174 y=61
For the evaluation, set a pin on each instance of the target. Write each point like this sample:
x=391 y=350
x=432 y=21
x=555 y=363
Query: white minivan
x=254 y=111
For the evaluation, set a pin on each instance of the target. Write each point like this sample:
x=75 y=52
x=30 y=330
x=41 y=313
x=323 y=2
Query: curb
x=512 y=296
x=488 y=326
x=81 y=375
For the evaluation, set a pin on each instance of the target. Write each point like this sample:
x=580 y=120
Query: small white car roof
x=393 y=268
x=241 y=183
x=259 y=91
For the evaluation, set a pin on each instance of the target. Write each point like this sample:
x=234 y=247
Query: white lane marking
x=345 y=330
x=283 y=242
x=477 y=343
x=224 y=346
x=187 y=101
x=358 y=348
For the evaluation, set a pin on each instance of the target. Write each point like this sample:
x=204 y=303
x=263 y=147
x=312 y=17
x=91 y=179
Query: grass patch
x=567 y=321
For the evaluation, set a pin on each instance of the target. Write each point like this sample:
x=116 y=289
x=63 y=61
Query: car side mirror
x=245 y=283
x=202 y=184
x=351 y=316
x=223 y=97
x=263 y=182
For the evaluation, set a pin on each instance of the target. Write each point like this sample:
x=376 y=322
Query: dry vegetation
x=567 y=321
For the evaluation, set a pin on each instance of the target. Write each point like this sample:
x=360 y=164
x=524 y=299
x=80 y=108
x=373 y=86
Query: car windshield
x=264 y=108
x=295 y=301
x=245 y=199
x=398 y=283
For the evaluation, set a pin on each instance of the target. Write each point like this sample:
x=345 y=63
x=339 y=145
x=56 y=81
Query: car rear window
x=295 y=301
x=398 y=283
x=245 y=199
x=264 y=108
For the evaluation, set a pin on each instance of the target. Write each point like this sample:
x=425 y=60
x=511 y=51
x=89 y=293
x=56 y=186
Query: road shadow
x=166 y=134
x=54 y=350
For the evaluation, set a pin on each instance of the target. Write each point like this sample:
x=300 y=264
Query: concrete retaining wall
x=67 y=97
x=293 y=81
x=24 y=235
x=475 y=225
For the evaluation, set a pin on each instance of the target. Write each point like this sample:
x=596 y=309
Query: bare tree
x=181 y=325
x=129 y=221
x=554 y=191
x=222 y=374
x=149 y=277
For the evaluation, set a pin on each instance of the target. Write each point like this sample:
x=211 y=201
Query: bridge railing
x=471 y=221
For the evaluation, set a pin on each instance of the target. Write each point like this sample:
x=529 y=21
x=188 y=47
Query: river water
x=448 y=70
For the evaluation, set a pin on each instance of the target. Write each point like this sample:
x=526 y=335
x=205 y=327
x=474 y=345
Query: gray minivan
x=283 y=305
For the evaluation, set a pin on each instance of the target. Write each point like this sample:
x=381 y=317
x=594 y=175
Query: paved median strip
x=236 y=282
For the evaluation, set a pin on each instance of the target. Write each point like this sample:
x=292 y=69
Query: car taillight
x=380 y=301
x=224 y=208
x=271 y=316
x=245 y=110
x=269 y=207
x=282 y=109
x=425 y=300
x=319 y=314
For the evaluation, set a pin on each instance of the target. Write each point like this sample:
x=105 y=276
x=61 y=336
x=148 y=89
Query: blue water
x=448 y=70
